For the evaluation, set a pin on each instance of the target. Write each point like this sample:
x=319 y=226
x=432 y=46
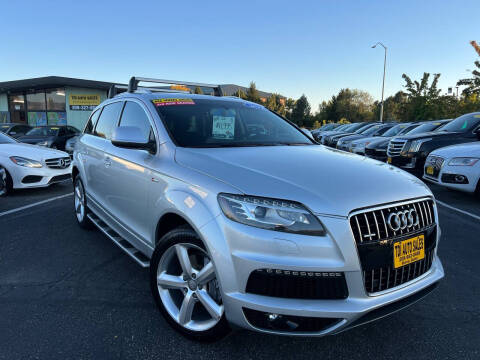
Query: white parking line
x=34 y=204
x=459 y=210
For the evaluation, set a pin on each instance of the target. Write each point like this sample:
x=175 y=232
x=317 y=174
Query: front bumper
x=413 y=164
x=238 y=250
x=447 y=177
x=24 y=177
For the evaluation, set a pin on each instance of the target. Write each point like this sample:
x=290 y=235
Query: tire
x=477 y=189
x=6 y=182
x=205 y=323
x=80 y=204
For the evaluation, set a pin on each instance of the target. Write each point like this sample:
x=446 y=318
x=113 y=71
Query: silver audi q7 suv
x=245 y=222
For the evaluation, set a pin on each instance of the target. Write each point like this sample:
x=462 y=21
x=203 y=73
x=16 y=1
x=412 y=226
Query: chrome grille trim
x=362 y=222
x=56 y=163
x=395 y=147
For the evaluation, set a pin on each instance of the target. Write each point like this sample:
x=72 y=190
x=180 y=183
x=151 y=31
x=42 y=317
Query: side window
x=62 y=132
x=108 y=120
x=92 y=122
x=134 y=115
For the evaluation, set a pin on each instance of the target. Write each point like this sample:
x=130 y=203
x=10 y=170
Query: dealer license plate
x=429 y=170
x=389 y=160
x=408 y=251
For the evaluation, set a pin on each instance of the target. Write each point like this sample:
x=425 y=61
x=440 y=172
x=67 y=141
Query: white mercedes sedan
x=27 y=166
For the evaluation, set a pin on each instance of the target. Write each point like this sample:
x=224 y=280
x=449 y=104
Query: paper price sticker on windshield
x=223 y=127
x=169 y=102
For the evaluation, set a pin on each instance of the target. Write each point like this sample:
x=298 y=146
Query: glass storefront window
x=56 y=100
x=36 y=102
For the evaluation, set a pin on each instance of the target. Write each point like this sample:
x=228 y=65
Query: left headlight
x=415 y=145
x=463 y=161
x=25 y=162
x=271 y=214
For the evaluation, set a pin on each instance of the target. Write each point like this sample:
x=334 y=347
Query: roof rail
x=116 y=89
x=134 y=80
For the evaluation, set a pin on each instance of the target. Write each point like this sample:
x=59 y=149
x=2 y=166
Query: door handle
x=108 y=162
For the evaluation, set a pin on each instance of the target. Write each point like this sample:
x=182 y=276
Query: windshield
x=44 y=131
x=396 y=130
x=5 y=139
x=327 y=127
x=464 y=123
x=223 y=123
x=425 y=127
x=371 y=130
x=356 y=126
x=4 y=128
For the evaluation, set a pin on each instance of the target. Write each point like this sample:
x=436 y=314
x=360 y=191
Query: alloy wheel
x=3 y=181
x=79 y=201
x=188 y=287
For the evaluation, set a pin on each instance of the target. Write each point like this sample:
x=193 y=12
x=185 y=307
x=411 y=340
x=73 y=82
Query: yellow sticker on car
x=408 y=251
x=172 y=101
x=389 y=160
x=429 y=170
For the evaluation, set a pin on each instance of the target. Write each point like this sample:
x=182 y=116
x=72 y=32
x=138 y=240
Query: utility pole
x=383 y=81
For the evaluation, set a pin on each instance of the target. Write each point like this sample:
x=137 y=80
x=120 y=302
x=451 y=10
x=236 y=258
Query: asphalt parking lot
x=69 y=293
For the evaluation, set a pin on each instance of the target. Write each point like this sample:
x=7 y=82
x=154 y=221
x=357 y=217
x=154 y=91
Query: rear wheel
x=80 y=203
x=185 y=287
x=477 y=190
x=6 y=183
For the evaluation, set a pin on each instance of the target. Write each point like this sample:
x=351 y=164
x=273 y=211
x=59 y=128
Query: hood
x=326 y=180
x=33 y=139
x=352 y=137
x=33 y=152
x=461 y=150
x=381 y=143
x=432 y=134
x=363 y=140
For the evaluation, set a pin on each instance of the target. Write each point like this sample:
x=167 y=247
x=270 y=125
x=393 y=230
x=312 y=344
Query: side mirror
x=13 y=133
x=131 y=137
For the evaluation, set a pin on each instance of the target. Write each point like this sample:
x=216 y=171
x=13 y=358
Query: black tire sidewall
x=85 y=223
x=182 y=235
x=8 y=182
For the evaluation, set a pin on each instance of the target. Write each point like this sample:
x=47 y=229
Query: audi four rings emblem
x=402 y=220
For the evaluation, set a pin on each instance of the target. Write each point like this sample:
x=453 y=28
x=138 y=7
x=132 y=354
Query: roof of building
x=59 y=81
x=51 y=82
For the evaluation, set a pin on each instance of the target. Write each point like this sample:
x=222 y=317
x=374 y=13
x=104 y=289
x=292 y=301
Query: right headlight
x=463 y=161
x=21 y=161
x=271 y=214
x=416 y=144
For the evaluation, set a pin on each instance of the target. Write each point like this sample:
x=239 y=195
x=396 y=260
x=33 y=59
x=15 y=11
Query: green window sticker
x=465 y=123
x=223 y=127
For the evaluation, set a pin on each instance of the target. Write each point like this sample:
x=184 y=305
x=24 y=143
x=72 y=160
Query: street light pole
x=383 y=81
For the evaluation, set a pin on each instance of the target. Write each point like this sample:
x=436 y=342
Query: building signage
x=84 y=102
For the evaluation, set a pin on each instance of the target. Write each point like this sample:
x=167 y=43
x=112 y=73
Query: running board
x=123 y=244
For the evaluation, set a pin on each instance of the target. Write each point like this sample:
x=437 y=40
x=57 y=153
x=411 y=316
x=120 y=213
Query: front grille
x=371 y=226
x=383 y=278
x=288 y=323
x=395 y=147
x=436 y=162
x=297 y=284
x=375 y=239
x=58 y=163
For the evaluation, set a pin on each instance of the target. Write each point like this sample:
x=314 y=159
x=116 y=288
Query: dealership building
x=55 y=100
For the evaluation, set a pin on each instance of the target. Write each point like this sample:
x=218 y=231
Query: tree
x=422 y=103
x=198 y=90
x=301 y=112
x=240 y=94
x=252 y=93
x=354 y=105
x=473 y=84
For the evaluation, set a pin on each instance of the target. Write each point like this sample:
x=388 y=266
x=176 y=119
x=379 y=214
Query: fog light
x=460 y=178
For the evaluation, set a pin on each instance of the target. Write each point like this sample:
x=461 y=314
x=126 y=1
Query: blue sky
x=311 y=47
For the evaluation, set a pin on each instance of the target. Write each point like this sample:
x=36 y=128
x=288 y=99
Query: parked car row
x=446 y=152
x=51 y=136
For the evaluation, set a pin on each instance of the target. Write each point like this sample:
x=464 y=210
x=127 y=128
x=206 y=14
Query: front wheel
x=5 y=182
x=80 y=203
x=184 y=284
